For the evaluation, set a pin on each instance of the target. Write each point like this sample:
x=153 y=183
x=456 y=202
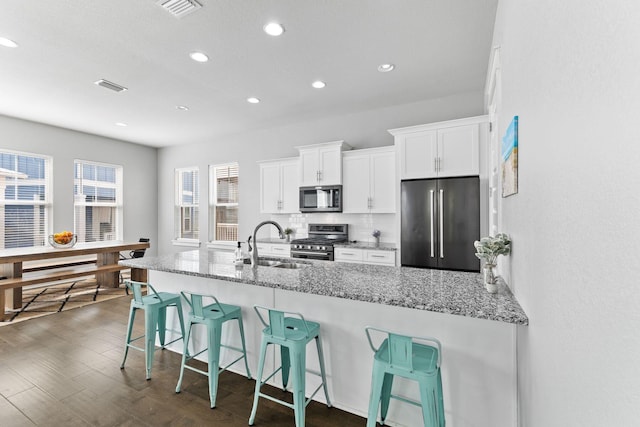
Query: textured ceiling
x=439 y=47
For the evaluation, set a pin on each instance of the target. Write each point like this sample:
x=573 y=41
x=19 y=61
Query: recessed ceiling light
x=385 y=68
x=274 y=29
x=123 y=125
x=318 y=84
x=182 y=107
x=7 y=43
x=253 y=100
x=199 y=56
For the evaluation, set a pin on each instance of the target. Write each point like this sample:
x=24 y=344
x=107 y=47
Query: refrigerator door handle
x=432 y=225
x=441 y=223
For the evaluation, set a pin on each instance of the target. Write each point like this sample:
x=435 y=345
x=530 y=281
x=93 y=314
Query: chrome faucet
x=254 y=252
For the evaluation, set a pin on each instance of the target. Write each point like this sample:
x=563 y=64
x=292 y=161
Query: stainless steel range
x=319 y=244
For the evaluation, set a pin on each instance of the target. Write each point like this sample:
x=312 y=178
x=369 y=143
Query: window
x=25 y=202
x=187 y=199
x=97 y=192
x=223 y=203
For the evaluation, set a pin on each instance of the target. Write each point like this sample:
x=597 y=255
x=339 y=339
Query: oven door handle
x=310 y=253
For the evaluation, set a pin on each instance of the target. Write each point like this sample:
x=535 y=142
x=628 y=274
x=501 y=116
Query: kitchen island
x=477 y=329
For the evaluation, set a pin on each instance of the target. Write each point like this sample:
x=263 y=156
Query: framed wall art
x=510 y=159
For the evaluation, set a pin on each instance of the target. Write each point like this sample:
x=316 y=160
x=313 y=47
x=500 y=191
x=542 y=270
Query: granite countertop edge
x=438 y=291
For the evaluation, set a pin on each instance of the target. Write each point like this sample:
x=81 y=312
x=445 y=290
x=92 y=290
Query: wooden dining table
x=35 y=265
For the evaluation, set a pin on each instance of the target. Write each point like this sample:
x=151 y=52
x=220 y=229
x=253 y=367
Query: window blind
x=223 y=207
x=187 y=201
x=97 y=201
x=25 y=200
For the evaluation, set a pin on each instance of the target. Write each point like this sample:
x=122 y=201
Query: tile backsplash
x=360 y=225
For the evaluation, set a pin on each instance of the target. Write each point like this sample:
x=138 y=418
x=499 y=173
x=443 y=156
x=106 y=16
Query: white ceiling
x=439 y=47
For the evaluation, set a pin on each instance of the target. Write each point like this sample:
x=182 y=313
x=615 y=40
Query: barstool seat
x=292 y=334
x=212 y=316
x=401 y=355
x=155 y=306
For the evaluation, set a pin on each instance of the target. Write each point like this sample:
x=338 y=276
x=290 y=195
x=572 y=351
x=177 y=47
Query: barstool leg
x=285 y=362
x=214 y=331
x=132 y=316
x=377 y=380
x=244 y=348
x=429 y=405
x=150 y=326
x=256 y=395
x=298 y=366
x=162 y=325
x=440 y=397
x=322 y=369
x=181 y=319
x=185 y=355
x=385 y=396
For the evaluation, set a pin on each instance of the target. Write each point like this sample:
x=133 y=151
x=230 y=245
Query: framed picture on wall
x=510 y=159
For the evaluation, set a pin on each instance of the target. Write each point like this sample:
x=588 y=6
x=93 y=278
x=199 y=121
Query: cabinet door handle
x=348 y=253
x=441 y=223
x=431 y=230
x=278 y=249
x=435 y=164
x=377 y=256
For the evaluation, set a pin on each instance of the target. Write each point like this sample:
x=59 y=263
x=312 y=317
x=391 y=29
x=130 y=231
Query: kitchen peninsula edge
x=477 y=330
x=442 y=291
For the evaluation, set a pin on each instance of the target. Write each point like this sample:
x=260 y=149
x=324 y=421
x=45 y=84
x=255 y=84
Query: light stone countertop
x=441 y=291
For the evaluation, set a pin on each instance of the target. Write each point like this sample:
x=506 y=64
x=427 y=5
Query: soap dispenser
x=239 y=257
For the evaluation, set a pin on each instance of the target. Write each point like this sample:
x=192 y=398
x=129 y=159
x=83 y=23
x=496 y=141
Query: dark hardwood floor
x=64 y=370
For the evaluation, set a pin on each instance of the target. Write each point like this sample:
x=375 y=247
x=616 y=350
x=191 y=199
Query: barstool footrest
x=270 y=376
x=313 y=394
x=273 y=399
x=405 y=400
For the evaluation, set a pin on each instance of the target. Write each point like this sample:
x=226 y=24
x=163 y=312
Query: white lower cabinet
x=365 y=256
x=274 y=249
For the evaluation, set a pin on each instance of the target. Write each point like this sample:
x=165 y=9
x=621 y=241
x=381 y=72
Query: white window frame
x=48 y=192
x=213 y=198
x=118 y=186
x=179 y=240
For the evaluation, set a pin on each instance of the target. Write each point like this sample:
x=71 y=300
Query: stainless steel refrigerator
x=440 y=221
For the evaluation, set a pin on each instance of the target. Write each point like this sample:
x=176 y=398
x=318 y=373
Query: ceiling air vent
x=110 y=85
x=179 y=8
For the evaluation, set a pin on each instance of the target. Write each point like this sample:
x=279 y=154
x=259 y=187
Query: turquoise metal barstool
x=292 y=334
x=212 y=316
x=155 y=306
x=401 y=355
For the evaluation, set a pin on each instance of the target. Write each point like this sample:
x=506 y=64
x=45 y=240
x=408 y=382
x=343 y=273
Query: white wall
x=139 y=170
x=362 y=130
x=570 y=71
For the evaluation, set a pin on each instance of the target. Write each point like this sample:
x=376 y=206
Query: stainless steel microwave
x=321 y=198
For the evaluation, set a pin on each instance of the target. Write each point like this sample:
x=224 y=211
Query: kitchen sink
x=290 y=265
x=277 y=264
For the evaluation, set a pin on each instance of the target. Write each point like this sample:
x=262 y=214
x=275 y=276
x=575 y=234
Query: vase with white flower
x=376 y=236
x=488 y=249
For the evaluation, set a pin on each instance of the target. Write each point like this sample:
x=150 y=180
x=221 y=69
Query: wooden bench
x=32 y=266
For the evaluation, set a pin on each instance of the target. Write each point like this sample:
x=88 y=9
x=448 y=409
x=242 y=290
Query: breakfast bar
x=477 y=329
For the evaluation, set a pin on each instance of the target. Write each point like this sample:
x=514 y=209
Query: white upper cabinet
x=279 y=186
x=321 y=164
x=440 y=149
x=369 y=181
